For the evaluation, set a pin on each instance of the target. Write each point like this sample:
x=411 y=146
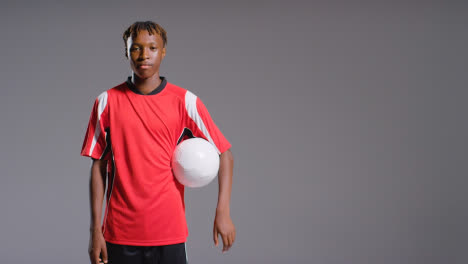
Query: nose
x=144 y=54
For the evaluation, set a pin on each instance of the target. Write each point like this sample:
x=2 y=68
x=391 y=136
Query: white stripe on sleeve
x=102 y=98
x=191 y=106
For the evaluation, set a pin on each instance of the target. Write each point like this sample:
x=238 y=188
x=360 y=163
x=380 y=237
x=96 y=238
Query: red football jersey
x=137 y=134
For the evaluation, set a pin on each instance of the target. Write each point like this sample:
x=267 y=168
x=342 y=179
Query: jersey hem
x=148 y=243
x=93 y=156
x=228 y=146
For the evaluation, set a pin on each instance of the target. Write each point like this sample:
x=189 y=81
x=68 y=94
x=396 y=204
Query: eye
x=134 y=48
x=153 y=48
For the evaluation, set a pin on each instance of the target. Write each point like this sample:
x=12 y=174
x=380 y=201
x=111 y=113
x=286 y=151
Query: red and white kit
x=137 y=134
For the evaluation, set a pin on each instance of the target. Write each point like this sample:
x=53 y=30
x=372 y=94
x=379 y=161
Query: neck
x=146 y=85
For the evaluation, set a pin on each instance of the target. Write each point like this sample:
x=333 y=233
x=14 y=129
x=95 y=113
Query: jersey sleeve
x=96 y=143
x=202 y=125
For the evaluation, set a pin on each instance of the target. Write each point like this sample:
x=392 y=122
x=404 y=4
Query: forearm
x=225 y=181
x=97 y=186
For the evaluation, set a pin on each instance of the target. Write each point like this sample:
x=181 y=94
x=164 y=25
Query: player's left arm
x=223 y=223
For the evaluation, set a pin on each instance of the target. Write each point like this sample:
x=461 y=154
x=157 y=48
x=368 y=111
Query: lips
x=144 y=66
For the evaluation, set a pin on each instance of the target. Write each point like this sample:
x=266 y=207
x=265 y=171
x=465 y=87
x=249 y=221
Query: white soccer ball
x=195 y=162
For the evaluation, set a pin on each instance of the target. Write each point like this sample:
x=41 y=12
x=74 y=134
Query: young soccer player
x=132 y=133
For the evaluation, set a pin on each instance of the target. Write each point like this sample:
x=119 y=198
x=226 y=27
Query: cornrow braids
x=149 y=26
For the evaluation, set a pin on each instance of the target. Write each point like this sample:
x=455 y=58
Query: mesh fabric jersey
x=137 y=134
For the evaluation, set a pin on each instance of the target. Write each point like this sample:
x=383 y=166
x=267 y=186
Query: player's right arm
x=96 y=145
x=97 y=187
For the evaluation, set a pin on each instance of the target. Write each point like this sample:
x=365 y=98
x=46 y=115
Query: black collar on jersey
x=155 y=91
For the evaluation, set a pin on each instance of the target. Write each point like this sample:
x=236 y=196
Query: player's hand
x=97 y=247
x=223 y=226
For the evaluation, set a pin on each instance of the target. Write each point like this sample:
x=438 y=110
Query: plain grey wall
x=347 y=120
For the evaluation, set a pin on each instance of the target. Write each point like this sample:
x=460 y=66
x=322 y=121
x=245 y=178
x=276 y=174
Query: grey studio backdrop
x=347 y=120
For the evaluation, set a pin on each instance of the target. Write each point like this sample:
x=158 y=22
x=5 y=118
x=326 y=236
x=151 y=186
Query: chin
x=144 y=75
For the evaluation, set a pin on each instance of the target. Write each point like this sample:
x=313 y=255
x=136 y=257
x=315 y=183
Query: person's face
x=145 y=52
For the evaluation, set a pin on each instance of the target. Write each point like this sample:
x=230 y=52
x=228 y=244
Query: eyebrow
x=139 y=43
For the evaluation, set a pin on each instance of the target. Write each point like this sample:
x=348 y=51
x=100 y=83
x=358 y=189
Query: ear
x=163 y=54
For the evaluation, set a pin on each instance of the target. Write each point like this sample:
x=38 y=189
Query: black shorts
x=123 y=254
